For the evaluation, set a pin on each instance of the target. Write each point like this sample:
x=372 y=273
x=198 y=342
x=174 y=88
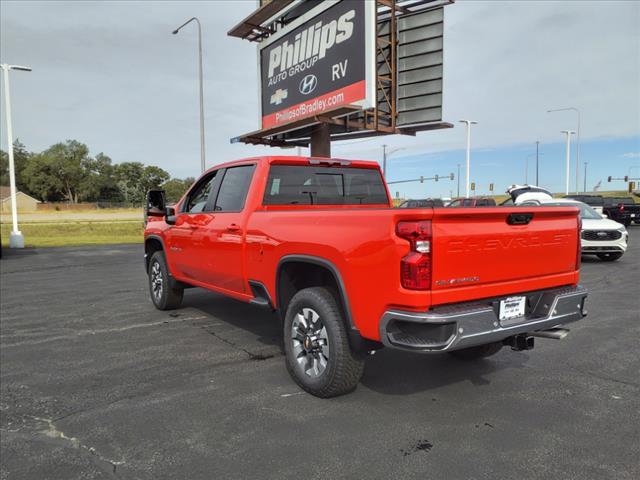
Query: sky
x=111 y=75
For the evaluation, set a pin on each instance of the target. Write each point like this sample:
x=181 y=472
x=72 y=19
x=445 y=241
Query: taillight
x=415 y=267
x=579 y=252
x=621 y=207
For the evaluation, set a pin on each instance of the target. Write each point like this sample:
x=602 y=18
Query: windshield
x=586 y=212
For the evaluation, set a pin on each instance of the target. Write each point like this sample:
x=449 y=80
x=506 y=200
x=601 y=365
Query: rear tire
x=163 y=296
x=609 y=257
x=475 y=353
x=316 y=344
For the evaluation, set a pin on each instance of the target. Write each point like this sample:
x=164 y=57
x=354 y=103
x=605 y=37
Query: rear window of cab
x=312 y=185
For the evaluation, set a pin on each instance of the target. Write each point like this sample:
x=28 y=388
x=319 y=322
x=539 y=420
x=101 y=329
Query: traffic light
x=473 y=186
x=452 y=177
x=491 y=187
x=609 y=178
x=626 y=178
x=421 y=179
x=436 y=177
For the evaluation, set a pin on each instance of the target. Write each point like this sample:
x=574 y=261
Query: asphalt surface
x=96 y=383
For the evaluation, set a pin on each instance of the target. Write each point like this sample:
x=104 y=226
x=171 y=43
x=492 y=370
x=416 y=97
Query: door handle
x=233 y=227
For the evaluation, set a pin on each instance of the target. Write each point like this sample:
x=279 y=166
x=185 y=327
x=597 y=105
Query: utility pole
x=568 y=133
x=468 y=123
x=16 y=239
x=537 y=163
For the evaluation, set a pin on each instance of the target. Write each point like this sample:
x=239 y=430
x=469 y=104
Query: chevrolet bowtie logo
x=279 y=96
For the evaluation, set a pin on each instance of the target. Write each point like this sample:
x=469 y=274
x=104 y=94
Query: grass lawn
x=70 y=233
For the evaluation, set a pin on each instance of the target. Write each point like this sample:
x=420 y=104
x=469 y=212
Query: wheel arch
x=296 y=272
x=152 y=244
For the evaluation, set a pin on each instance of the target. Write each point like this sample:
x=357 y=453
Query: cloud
x=111 y=74
x=631 y=155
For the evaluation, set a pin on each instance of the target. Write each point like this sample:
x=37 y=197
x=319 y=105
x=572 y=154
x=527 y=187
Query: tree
x=4 y=168
x=20 y=159
x=152 y=178
x=69 y=164
x=134 y=180
x=99 y=182
x=41 y=181
x=176 y=187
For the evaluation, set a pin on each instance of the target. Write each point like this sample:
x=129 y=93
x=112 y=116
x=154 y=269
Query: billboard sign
x=323 y=60
x=420 y=67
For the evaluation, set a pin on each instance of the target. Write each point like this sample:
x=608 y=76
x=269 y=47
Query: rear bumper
x=466 y=325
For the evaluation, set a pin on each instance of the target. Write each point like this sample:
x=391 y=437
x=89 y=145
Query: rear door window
x=234 y=188
x=302 y=185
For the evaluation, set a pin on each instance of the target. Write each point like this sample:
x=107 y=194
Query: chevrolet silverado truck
x=318 y=241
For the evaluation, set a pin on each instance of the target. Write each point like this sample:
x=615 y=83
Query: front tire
x=609 y=257
x=317 y=351
x=480 y=351
x=163 y=296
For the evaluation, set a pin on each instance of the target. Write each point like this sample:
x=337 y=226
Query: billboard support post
x=321 y=140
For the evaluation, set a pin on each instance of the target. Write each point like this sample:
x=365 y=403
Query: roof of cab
x=292 y=160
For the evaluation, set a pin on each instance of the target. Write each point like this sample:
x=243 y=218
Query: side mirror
x=170 y=217
x=155 y=206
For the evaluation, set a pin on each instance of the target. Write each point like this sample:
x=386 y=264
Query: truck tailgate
x=484 y=252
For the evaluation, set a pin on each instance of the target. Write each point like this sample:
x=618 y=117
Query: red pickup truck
x=317 y=240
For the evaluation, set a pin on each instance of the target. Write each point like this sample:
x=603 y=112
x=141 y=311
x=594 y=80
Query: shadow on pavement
x=261 y=323
x=394 y=372
x=389 y=372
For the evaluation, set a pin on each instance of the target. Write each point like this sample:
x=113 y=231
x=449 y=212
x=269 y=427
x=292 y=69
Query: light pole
x=469 y=123
x=16 y=239
x=578 y=147
x=458 y=178
x=386 y=154
x=568 y=133
x=537 y=162
x=175 y=32
x=585 y=177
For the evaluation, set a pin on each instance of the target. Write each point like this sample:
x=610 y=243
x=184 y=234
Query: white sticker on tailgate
x=512 y=307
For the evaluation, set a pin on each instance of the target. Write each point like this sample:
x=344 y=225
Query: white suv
x=600 y=236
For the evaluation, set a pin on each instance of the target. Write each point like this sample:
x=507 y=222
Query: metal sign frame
x=378 y=115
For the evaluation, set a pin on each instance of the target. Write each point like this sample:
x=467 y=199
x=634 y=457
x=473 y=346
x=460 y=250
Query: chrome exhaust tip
x=555 y=333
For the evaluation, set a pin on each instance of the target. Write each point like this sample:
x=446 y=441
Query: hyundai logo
x=602 y=234
x=308 y=84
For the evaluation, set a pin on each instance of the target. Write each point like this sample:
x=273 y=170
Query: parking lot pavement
x=96 y=383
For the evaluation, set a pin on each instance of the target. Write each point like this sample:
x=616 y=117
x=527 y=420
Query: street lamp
x=578 y=147
x=568 y=133
x=385 y=155
x=469 y=123
x=175 y=32
x=16 y=239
